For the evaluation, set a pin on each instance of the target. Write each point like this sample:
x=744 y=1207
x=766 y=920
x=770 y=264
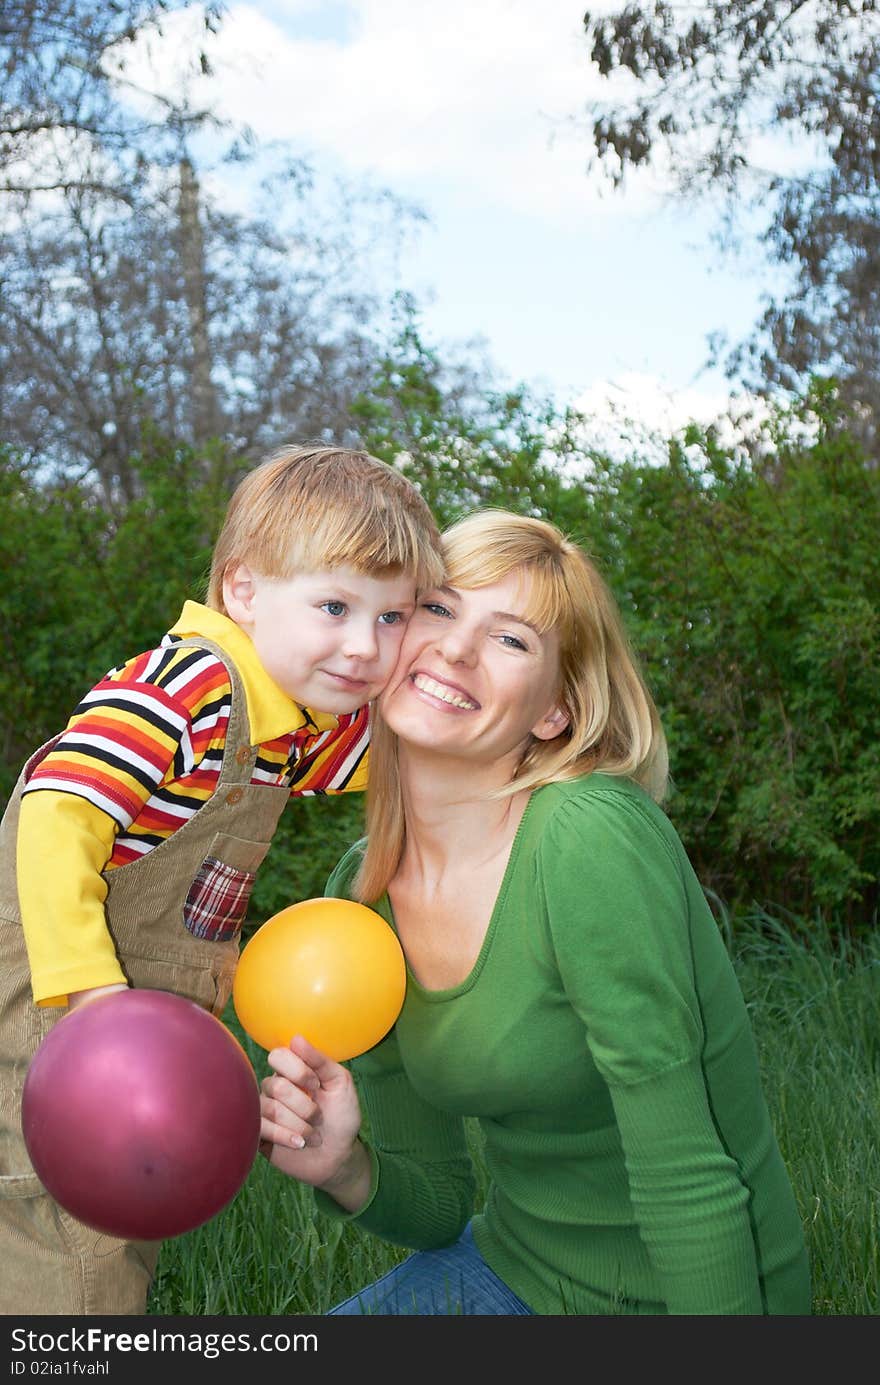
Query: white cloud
x=415 y=93
x=470 y=110
x=637 y=414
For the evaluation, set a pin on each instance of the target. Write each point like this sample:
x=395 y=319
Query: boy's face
x=330 y=638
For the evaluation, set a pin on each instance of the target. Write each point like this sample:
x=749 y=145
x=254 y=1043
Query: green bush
x=86 y=585
x=752 y=590
x=749 y=582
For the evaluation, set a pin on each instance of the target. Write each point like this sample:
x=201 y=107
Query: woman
x=567 y=984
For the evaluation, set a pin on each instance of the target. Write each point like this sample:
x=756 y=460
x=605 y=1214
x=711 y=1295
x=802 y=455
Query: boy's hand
x=310 y=1122
x=80 y=997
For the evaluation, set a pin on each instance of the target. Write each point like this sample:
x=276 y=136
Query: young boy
x=129 y=846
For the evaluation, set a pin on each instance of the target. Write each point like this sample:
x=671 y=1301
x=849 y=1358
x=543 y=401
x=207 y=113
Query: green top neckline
x=436 y=997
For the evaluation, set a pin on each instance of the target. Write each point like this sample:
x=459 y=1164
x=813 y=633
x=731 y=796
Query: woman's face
x=474 y=677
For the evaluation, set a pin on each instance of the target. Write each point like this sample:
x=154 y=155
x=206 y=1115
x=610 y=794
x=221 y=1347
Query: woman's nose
x=458 y=647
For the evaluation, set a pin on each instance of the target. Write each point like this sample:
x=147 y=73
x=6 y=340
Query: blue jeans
x=433 y=1283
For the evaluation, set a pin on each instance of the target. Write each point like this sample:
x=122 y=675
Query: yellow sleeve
x=64 y=843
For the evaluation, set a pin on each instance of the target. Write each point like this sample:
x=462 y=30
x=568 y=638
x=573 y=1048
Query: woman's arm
x=628 y=931
x=406 y=1175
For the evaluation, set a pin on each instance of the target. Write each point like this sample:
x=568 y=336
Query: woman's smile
x=440 y=690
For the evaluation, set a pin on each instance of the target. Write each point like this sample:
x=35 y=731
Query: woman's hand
x=310 y=1118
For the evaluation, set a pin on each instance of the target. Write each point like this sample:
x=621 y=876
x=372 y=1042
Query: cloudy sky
x=470 y=109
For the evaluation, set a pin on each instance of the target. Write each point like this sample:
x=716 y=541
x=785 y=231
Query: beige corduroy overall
x=49 y=1262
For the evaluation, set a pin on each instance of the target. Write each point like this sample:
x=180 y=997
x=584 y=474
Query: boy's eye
x=334 y=608
x=391 y=617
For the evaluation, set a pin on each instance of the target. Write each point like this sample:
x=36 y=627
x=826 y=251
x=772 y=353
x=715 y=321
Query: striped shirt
x=146 y=744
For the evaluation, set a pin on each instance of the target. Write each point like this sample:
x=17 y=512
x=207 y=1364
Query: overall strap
x=239 y=754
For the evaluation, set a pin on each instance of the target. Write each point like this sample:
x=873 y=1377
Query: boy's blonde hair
x=613 y=723
x=306 y=508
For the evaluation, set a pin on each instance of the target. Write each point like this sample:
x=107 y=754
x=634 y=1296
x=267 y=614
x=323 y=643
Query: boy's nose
x=361 y=642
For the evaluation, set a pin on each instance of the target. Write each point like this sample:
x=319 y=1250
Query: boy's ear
x=551 y=725
x=239 y=590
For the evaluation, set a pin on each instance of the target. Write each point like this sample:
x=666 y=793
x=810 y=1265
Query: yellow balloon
x=329 y=969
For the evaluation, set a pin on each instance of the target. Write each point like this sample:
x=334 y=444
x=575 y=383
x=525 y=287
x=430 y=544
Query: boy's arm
x=335 y=762
x=64 y=843
x=155 y=716
x=358 y=781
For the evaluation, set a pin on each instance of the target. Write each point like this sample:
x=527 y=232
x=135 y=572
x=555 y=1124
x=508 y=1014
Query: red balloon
x=141 y=1114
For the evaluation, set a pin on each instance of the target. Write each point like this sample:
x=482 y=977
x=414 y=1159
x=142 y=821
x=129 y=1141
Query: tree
x=704 y=90
x=167 y=311
x=130 y=301
x=63 y=117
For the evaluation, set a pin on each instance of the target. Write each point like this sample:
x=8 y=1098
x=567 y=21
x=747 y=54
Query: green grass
x=815 y=1007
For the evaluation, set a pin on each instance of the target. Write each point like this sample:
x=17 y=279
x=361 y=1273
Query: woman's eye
x=512 y=642
x=437 y=609
x=334 y=608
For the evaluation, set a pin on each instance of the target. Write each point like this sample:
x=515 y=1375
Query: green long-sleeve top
x=602 y=1043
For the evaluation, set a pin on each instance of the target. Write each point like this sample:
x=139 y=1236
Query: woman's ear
x=239 y=590
x=551 y=725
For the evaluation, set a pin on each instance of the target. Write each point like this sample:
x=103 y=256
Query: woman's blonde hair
x=306 y=508
x=613 y=723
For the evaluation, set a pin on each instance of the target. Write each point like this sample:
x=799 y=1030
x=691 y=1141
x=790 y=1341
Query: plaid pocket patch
x=217 y=901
